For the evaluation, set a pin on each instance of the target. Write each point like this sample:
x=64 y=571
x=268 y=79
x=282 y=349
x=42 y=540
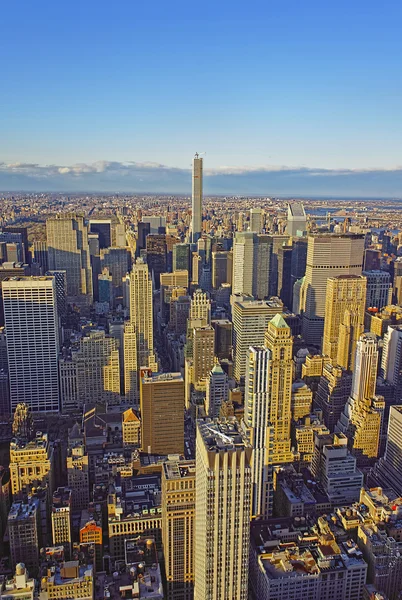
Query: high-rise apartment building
x=162 y=413
x=256 y=418
x=178 y=524
x=67 y=242
x=141 y=314
x=32 y=324
x=328 y=255
x=278 y=340
x=196 y=219
x=223 y=505
x=345 y=294
x=61 y=518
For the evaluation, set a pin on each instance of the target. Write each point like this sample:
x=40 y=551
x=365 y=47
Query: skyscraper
x=178 y=522
x=217 y=391
x=388 y=470
x=361 y=418
x=32 y=324
x=131 y=391
x=297 y=220
x=141 y=311
x=345 y=294
x=250 y=320
x=278 y=339
x=391 y=363
x=203 y=340
x=67 y=242
x=196 y=221
x=61 y=518
x=256 y=219
x=328 y=255
x=379 y=289
x=256 y=417
x=243 y=263
x=162 y=413
x=223 y=503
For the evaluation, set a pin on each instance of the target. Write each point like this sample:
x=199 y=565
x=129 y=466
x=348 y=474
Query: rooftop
x=221 y=435
x=179 y=469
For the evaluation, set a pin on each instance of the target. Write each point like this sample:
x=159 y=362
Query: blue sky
x=257 y=85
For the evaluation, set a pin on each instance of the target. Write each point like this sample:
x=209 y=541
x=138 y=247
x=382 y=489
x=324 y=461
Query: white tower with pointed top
x=196 y=220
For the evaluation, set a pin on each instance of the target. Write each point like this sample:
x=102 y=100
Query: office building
x=141 y=314
x=299 y=260
x=388 y=470
x=131 y=391
x=30 y=311
x=328 y=255
x=23 y=232
x=302 y=400
x=181 y=257
x=278 y=340
x=31 y=464
x=157 y=224
x=277 y=242
x=223 y=338
x=78 y=472
x=221 y=268
x=103 y=229
x=60 y=278
x=20 y=587
x=250 y=320
x=334 y=387
x=200 y=308
x=222 y=521
x=361 y=419
x=203 y=344
x=178 y=524
x=243 y=263
x=217 y=391
x=256 y=418
x=336 y=469
x=67 y=242
x=304 y=569
x=91 y=533
x=40 y=255
x=345 y=294
x=118 y=262
x=131 y=429
x=70 y=579
x=196 y=204
x=391 y=362
x=61 y=518
x=285 y=288
x=379 y=289
x=156 y=256
x=256 y=220
x=98 y=369
x=162 y=413
x=297 y=220
x=24 y=533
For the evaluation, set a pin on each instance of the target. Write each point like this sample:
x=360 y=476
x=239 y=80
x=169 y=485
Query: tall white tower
x=256 y=417
x=32 y=328
x=196 y=199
